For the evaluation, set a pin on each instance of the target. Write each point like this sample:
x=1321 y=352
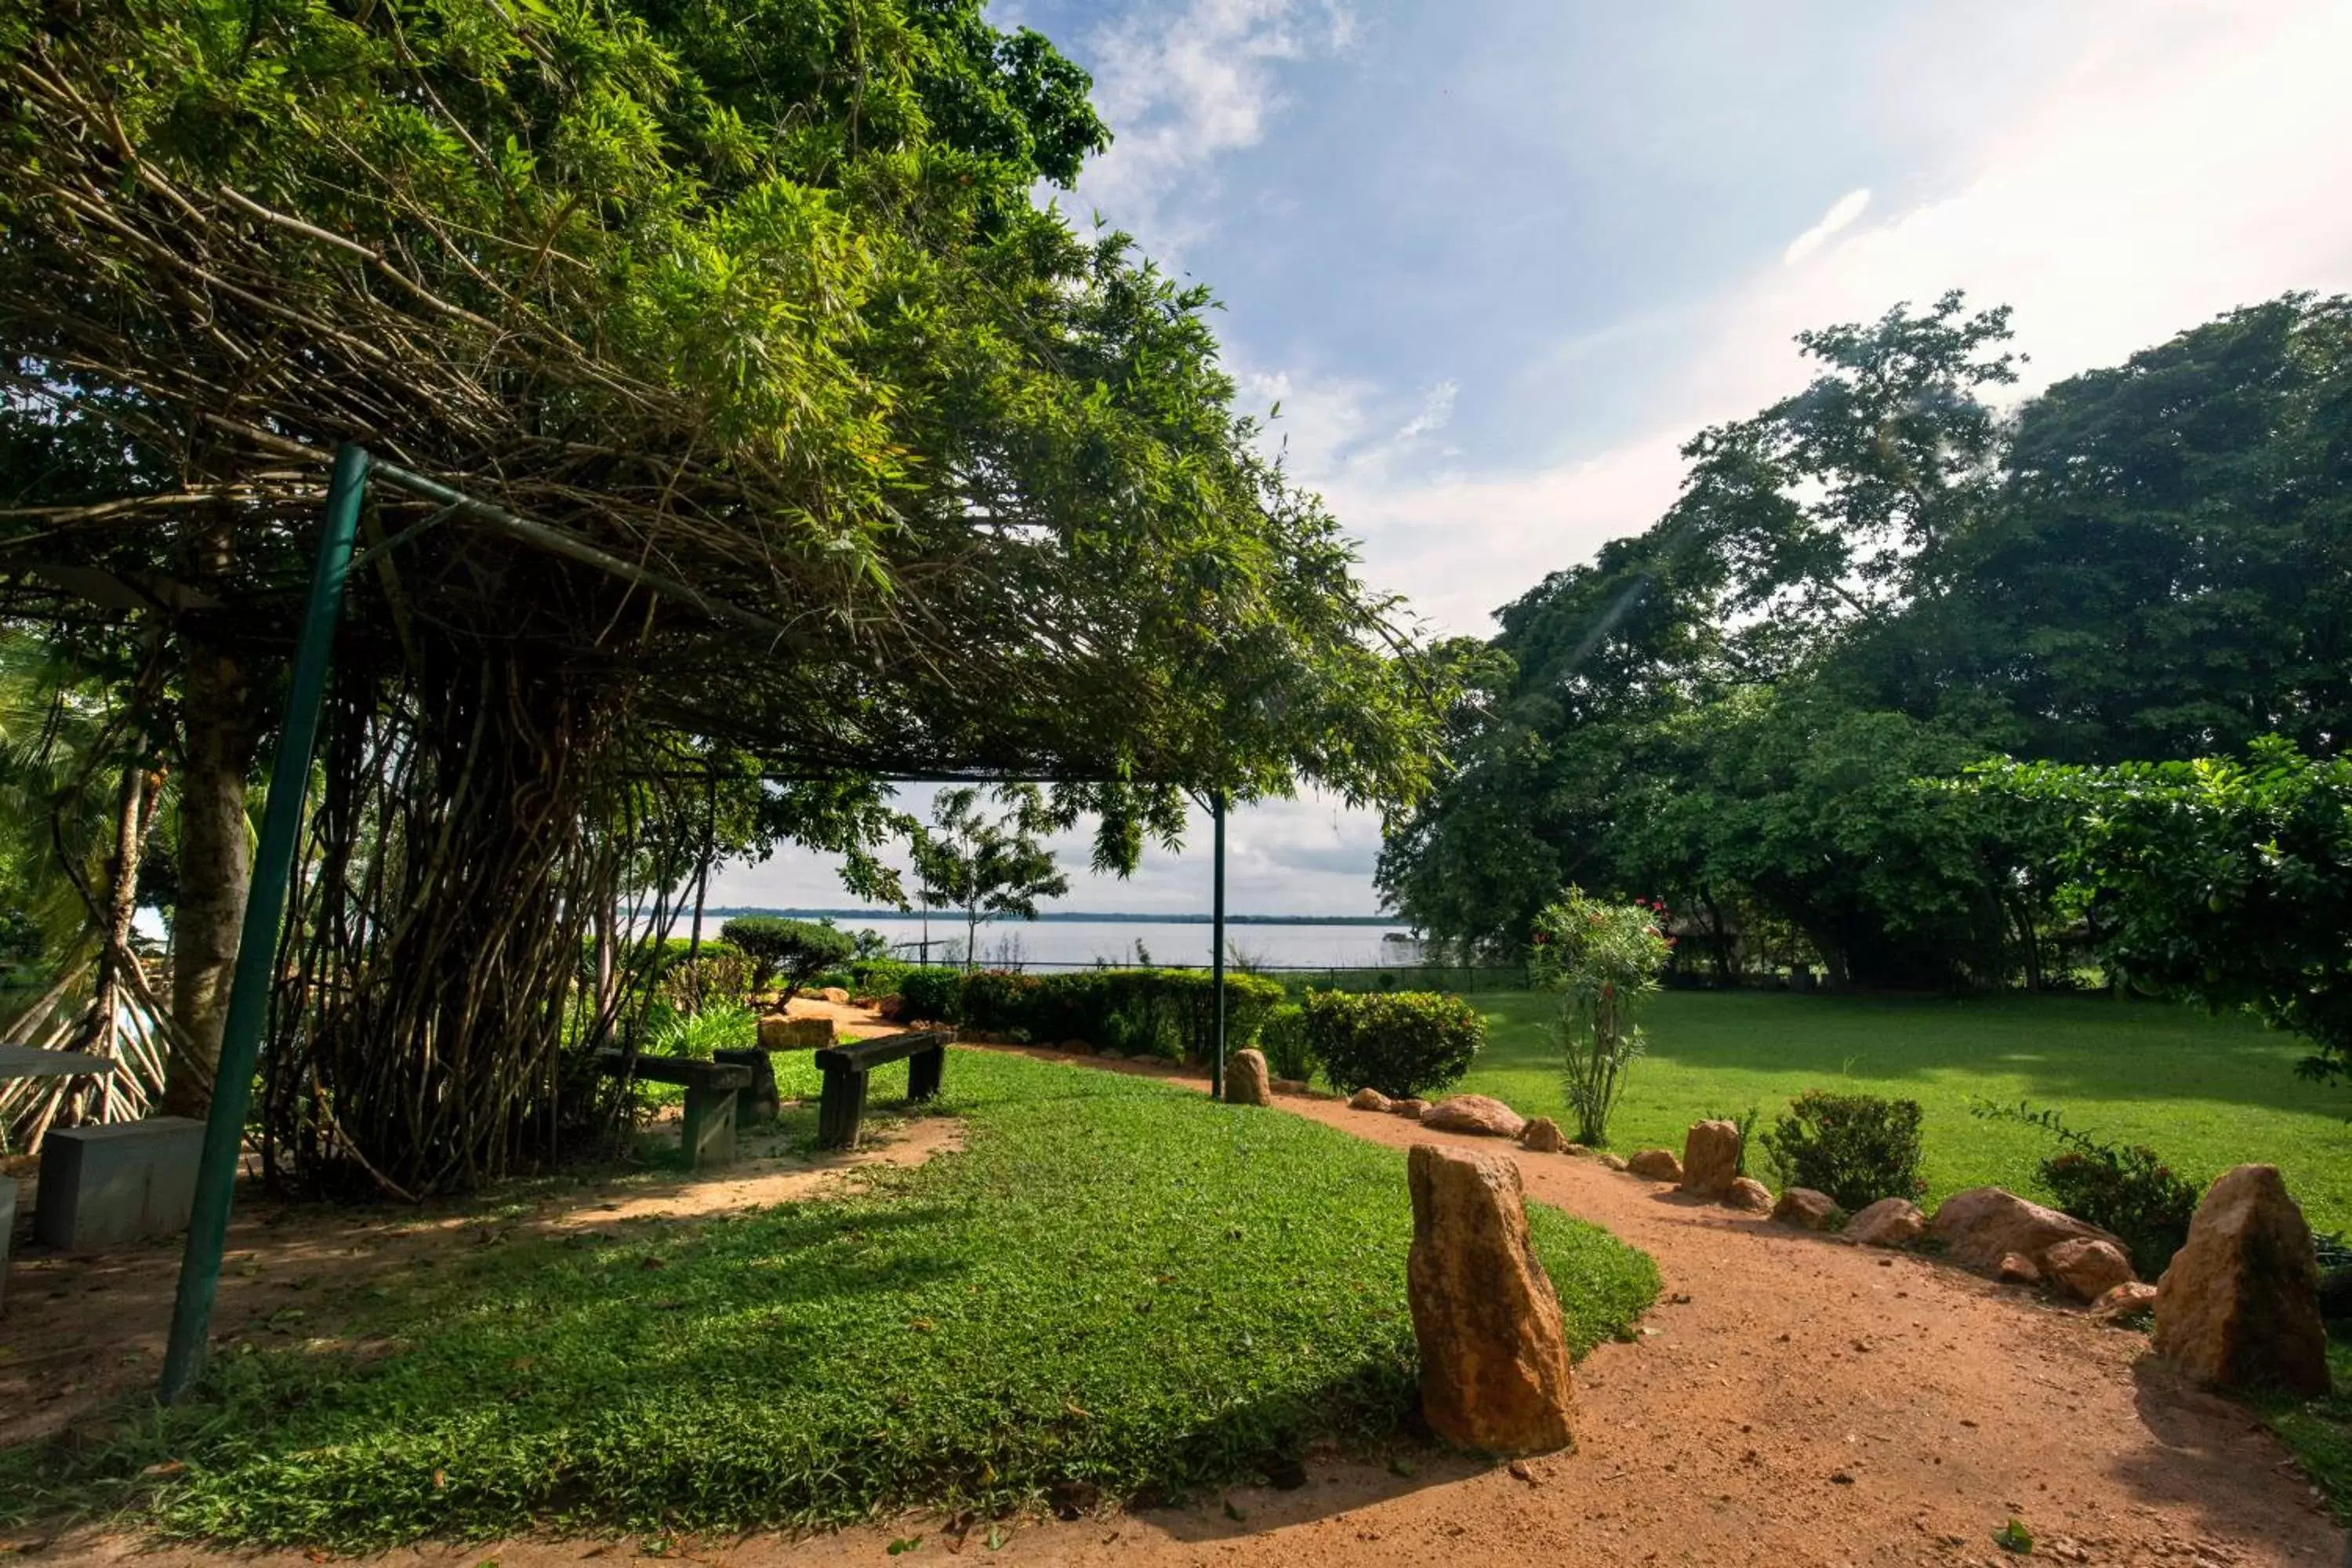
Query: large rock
x=1247 y=1080
x=1476 y=1113
x=834 y=995
x=2086 y=1268
x=1984 y=1225
x=1368 y=1100
x=1807 y=1209
x=1889 y=1222
x=1656 y=1166
x=1542 y=1136
x=1710 y=1159
x=2239 y=1309
x=1749 y=1196
x=1493 y=1361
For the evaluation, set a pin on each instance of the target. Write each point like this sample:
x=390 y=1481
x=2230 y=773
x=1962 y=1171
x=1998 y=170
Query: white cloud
x=1841 y=214
x=2173 y=173
x=1181 y=88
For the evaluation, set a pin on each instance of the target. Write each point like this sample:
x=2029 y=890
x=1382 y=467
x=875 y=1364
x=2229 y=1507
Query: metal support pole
x=257 y=952
x=1217 y=957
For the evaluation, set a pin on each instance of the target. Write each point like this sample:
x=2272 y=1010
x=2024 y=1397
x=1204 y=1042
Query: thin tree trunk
x=122 y=910
x=215 y=870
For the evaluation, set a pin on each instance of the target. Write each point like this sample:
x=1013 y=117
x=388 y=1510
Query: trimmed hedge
x=798 y=950
x=1406 y=1044
x=1168 y=1012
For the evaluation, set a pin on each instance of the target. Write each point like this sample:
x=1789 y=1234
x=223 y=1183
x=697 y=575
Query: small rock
x=1411 y=1110
x=1541 y=1136
x=1889 y=1222
x=1285 y=1473
x=1368 y=1100
x=2238 y=1308
x=1474 y=1113
x=2130 y=1297
x=1656 y=1166
x=1494 y=1358
x=1807 y=1209
x=834 y=995
x=2016 y=1269
x=1109 y=1055
x=1710 y=1158
x=1614 y=1162
x=1289 y=1085
x=2085 y=1267
x=891 y=1009
x=1579 y=1150
x=1749 y=1196
x=1247 y=1081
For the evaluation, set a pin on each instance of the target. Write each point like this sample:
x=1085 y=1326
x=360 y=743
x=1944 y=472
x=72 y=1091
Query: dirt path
x=1793 y=1400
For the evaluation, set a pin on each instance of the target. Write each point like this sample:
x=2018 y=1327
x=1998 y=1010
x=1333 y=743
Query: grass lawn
x=1116 y=1282
x=2206 y=1093
x=2320 y=1430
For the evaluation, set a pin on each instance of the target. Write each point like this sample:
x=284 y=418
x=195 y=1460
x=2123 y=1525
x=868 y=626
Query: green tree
x=1603 y=959
x=796 y=950
x=987 y=866
x=2223 y=880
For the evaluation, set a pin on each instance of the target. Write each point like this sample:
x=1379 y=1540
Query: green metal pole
x=257 y=952
x=1217 y=958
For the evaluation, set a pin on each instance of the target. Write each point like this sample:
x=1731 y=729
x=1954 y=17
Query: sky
x=1496 y=260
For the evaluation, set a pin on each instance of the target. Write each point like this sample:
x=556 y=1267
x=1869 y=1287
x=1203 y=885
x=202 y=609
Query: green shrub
x=2130 y=1192
x=796 y=950
x=718 y=972
x=668 y=1032
x=931 y=996
x=1857 y=1148
x=1166 y=1013
x=876 y=978
x=1283 y=1038
x=1403 y=1042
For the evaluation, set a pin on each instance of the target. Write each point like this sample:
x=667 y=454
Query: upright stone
x=1494 y=1361
x=1542 y=1136
x=1247 y=1081
x=1710 y=1159
x=124 y=1181
x=2239 y=1309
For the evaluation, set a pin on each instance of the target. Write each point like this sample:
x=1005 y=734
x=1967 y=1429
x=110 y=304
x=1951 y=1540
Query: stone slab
x=104 y=1186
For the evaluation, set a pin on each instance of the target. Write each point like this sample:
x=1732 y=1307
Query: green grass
x=2319 y=1431
x=2206 y=1093
x=1116 y=1282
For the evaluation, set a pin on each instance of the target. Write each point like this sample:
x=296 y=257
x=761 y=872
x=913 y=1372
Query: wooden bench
x=842 y=1105
x=711 y=1088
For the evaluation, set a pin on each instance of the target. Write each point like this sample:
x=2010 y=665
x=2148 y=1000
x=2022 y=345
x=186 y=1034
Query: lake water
x=1050 y=944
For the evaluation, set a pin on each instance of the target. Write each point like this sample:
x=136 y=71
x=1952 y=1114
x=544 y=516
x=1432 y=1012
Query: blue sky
x=1496 y=259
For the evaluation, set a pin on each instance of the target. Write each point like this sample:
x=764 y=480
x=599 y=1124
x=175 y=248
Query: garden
x=474 y=476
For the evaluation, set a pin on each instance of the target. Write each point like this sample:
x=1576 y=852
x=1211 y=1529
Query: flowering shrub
x=1602 y=958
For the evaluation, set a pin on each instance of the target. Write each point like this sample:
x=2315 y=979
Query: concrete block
x=8 y=1230
x=103 y=1186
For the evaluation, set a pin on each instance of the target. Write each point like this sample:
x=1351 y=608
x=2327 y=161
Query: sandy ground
x=1792 y=1400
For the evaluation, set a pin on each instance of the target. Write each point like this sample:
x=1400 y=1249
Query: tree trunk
x=215 y=870
x=104 y=1024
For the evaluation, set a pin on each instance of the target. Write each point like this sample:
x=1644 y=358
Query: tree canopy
x=1886 y=577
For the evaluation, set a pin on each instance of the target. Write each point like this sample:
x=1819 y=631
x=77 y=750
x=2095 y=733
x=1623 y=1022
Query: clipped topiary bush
x=1406 y=1044
x=1858 y=1148
x=797 y=952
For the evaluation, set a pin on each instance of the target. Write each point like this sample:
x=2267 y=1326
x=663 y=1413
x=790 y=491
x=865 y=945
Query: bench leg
x=709 y=1127
x=839 y=1109
x=7 y=1227
x=924 y=1070
x=760 y=1102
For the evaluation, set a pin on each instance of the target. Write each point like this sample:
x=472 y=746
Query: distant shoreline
x=1059 y=917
